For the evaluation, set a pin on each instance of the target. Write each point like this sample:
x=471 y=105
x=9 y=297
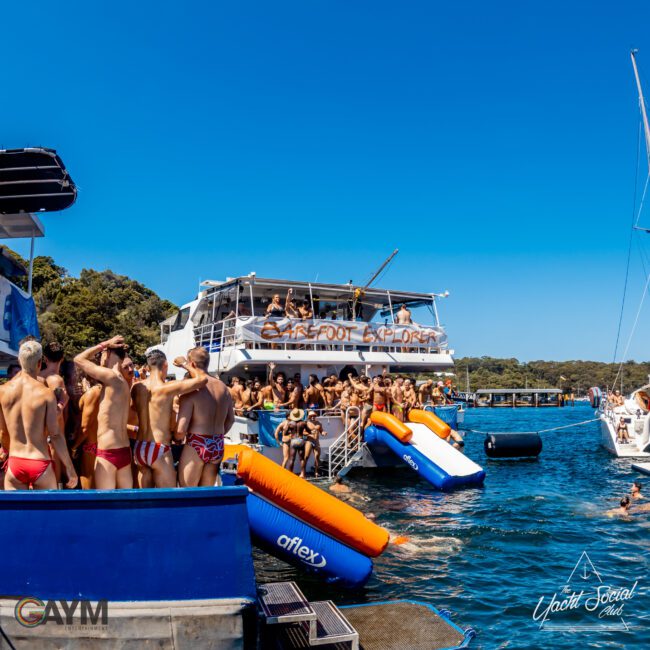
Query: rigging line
x=636 y=320
x=629 y=247
x=642 y=255
x=645 y=189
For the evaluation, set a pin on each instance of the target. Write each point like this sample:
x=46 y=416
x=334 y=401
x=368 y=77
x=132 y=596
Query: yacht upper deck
x=341 y=318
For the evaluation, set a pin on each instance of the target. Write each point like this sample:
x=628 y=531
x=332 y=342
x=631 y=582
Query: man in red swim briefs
x=113 y=462
x=204 y=417
x=28 y=412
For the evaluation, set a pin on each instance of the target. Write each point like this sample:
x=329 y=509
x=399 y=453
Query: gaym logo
x=294 y=545
x=407 y=459
x=31 y=611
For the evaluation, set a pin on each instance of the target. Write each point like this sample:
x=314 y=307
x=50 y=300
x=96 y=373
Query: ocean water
x=489 y=555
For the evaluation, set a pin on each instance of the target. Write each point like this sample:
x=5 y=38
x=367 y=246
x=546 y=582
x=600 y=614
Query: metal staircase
x=344 y=449
x=297 y=623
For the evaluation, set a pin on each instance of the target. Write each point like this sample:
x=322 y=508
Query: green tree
x=80 y=312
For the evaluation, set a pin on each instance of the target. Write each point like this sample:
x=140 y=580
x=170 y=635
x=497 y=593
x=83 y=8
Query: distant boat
x=518 y=397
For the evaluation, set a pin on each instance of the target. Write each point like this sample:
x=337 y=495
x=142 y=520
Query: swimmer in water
x=636 y=491
x=623 y=509
x=338 y=487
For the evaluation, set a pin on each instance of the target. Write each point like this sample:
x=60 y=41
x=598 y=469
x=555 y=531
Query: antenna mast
x=646 y=126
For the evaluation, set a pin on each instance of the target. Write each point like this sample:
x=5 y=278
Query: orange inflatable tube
x=430 y=420
x=392 y=424
x=311 y=504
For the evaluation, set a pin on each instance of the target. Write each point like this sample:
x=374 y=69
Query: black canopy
x=34 y=180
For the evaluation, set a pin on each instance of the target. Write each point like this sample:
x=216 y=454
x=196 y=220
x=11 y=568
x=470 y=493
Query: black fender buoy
x=513 y=445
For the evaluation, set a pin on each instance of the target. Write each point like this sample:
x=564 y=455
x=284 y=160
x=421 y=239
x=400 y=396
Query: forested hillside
x=487 y=372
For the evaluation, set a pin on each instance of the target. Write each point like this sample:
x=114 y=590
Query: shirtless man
x=278 y=388
x=617 y=399
x=338 y=487
x=113 y=462
x=257 y=396
x=404 y=316
x=50 y=374
x=236 y=389
x=294 y=395
x=28 y=412
x=313 y=394
x=410 y=397
x=424 y=392
x=636 y=491
x=397 y=398
x=86 y=439
x=365 y=393
x=204 y=418
x=154 y=402
x=378 y=393
x=246 y=397
x=305 y=310
x=623 y=509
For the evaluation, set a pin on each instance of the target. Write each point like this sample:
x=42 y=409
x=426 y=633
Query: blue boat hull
x=127 y=545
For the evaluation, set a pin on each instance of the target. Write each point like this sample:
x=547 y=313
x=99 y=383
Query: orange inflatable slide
x=307 y=502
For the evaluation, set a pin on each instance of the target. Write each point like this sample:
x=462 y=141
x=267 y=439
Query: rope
x=636 y=321
x=565 y=426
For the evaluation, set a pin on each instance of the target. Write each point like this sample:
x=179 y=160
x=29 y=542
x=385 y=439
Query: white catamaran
x=352 y=330
x=635 y=410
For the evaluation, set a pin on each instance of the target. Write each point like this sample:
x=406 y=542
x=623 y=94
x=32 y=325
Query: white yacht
x=352 y=331
x=636 y=409
x=636 y=415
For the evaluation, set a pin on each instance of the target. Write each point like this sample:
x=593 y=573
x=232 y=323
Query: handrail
x=341 y=450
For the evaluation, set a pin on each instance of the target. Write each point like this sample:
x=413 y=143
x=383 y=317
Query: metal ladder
x=343 y=449
x=304 y=624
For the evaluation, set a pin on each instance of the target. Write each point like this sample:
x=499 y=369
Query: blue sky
x=493 y=143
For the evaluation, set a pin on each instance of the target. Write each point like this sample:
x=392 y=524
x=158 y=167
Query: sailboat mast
x=646 y=126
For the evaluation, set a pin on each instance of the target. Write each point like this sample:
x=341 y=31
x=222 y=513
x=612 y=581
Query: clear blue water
x=488 y=555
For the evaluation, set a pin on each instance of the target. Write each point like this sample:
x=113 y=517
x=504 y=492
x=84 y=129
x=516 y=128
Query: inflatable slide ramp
x=423 y=445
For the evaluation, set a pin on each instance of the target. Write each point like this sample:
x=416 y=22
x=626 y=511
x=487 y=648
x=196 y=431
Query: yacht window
x=181 y=319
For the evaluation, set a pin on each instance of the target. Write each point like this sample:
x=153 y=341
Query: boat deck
x=381 y=627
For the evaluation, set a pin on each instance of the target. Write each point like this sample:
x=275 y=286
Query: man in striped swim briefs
x=154 y=402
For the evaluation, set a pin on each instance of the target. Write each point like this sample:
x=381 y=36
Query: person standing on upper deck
x=404 y=316
x=275 y=308
x=305 y=310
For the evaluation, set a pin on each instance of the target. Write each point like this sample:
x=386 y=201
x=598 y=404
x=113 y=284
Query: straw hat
x=296 y=415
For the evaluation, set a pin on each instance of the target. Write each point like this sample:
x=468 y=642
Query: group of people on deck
x=303 y=309
x=396 y=395
x=353 y=399
x=101 y=427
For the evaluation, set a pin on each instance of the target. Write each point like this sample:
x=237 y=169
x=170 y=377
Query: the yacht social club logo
x=586 y=602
